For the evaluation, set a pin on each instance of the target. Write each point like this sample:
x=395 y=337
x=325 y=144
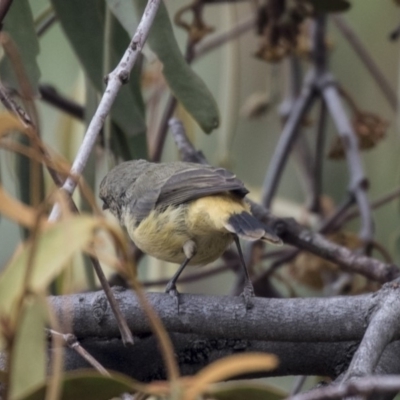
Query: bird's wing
x=197 y=181
x=190 y=182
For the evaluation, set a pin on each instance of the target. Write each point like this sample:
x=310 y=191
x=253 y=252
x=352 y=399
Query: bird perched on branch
x=182 y=212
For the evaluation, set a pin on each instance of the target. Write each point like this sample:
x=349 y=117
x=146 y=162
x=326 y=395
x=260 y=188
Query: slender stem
x=107 y=64
x=358 y=181
x=288 y=136
x=45 y=21
x=320 y=58
x=335 y=219
x=365 y=387
x=301 y=148
x=211 y=43
x=357 y=45
x=315 y=204
x=163 y=129
x=393 y=195
x=50 y=95
x=72 y=342
x=114 y=83
x=169 y=111
x=4 y=7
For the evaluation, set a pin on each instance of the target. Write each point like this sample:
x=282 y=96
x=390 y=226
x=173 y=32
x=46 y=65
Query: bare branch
x=72 y=342
x=115 y=80
x=364 y=386
x=50 y=95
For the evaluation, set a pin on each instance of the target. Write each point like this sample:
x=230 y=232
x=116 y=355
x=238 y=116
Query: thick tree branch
x=315 y=336
x=383 y=326
x=194 y=352
x=284 y=320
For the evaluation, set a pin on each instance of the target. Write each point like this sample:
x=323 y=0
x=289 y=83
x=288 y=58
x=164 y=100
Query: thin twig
x=358 y=180
x=211 y=43
x=72 y=342
x=172 y=103
x=364 y=386
x=349 y=33
x=163 y=129
x=288 y=136
x=4 y=7
x=301 y=148
x=386 y=198
x=46 y=23
x=315 y=203
x=51 y=96
x=115 y=80
x=298 y=384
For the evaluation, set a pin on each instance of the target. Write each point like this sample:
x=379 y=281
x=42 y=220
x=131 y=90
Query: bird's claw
x=173 y=292
x=248 y=295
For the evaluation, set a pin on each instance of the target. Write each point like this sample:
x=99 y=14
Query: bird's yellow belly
x=163 y=234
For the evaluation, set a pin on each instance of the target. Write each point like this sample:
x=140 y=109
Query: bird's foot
x=173 y=291
x=248 y=295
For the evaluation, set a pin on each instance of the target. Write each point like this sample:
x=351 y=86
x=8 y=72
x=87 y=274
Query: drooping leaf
x=19 y=24
x=83 y=24
x=244 y=391
x=88 y=385
x=15 y=210
x=186 y=85
x=54 y=247
x=28 y=356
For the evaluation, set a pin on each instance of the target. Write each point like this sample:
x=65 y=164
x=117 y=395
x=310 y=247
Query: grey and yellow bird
x=182 y=212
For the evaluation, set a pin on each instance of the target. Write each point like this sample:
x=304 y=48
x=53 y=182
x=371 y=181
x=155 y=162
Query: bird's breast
x=163 y=233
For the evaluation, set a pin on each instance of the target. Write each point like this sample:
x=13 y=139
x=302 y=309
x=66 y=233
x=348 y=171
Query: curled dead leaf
x=316 y=272
x=370 y=129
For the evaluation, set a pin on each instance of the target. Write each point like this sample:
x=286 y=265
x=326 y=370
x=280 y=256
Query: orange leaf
x=228 y=367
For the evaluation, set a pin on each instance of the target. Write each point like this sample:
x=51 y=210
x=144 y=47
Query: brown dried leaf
x=370 y=129
x=315 y=272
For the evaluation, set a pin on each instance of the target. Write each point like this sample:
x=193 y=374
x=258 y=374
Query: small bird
x=182 y=212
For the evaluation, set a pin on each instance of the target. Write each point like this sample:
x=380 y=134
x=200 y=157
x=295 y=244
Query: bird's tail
x=249 y=228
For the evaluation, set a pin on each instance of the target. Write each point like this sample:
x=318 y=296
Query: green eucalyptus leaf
x=55 y=246
x=125 y=12
x=186 y=85
x=28 y=355
x=88 y=385
x=19 y=24
x=326 y=6
x=83 y=24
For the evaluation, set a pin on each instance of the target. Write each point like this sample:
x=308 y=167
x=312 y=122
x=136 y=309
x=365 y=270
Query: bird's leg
x=248 y=290
x=189 y=248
